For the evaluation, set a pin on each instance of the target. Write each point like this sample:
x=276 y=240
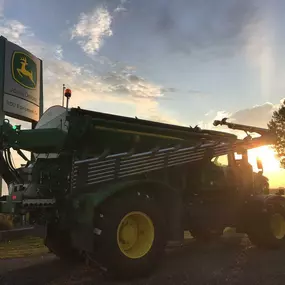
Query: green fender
x=84 y=204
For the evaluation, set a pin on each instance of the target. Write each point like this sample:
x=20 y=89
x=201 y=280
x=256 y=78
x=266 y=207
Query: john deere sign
x=22 y=83
x=24 y=70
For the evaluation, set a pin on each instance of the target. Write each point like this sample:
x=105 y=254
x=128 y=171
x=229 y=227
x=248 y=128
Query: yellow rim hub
x=278 y=226
x=135 y=235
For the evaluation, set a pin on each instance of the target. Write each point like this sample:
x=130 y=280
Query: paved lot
x=230 y=261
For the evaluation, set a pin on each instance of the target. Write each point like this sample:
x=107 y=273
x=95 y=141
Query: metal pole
x=41 y=89
x=2 y=81
x=41 y=102
x=67 y=101
x=63 y=89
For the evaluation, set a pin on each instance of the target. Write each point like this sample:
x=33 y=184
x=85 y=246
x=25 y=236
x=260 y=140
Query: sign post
x=21 y=84
x=2 y=76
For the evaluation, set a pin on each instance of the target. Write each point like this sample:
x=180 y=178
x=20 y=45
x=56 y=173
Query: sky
x=184 y=62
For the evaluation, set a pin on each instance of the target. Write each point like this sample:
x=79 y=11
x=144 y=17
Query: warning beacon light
x=67 y=94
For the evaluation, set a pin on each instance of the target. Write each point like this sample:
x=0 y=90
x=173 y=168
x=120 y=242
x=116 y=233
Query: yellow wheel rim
x=278 y=226
x=135 y=235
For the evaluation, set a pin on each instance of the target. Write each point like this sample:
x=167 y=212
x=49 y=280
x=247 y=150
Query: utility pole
x=63 y=91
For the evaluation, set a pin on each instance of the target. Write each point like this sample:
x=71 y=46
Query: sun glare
x=267 y=156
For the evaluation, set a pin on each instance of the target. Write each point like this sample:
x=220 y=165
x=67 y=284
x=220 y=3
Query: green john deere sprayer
x=118 y=190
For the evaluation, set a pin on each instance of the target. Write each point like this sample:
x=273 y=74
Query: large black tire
x=107 y=219
x=268 y=232
x=58 y=242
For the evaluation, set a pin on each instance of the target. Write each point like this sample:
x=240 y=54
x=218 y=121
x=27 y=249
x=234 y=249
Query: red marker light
x=67 y=93
x=14 y=197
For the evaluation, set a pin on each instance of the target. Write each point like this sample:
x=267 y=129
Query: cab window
x=221 y=160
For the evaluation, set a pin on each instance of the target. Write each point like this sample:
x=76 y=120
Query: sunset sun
x=271 y=165
x=267 y=156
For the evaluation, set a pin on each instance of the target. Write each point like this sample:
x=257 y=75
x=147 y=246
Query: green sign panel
x=22 y=91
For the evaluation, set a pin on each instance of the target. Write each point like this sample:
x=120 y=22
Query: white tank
x=53 y=117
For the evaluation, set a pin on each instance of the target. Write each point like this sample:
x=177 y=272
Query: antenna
x=63 y=90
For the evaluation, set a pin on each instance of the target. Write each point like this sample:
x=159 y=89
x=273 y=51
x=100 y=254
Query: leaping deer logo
x=23 y=71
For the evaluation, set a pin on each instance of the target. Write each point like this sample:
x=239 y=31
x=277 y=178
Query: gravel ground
x=229 y=261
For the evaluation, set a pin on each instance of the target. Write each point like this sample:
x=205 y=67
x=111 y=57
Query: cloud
x=116 y=86
x=130 y=84
x=257 y=116
x=14 y=30
x=58 y=52
x=92 y=28
x=210 y=117
x=121 y=7
x=118 y=83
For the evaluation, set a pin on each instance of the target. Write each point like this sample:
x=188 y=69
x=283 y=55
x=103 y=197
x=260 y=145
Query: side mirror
x=259 y=164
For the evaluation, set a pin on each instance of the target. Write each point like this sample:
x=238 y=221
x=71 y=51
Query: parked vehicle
x=117 y=190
